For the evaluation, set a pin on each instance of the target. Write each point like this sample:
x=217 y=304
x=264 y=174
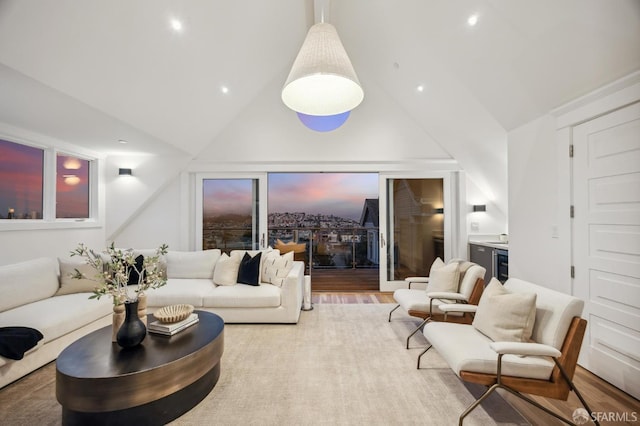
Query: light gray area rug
x=341 y=365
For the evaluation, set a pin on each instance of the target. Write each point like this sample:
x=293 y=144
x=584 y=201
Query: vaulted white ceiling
x=92 y=72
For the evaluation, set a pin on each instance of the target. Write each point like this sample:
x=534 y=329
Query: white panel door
x=606 y=244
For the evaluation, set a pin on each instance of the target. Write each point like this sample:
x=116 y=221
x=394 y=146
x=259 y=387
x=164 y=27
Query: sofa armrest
x=524 y=349
x=293 y=287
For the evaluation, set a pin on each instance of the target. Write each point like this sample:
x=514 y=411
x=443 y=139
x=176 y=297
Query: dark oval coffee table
x=97 y=382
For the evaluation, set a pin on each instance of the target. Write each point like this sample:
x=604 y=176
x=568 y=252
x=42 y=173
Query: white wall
x=157 y=223
x=538 y=237
x=490 y=222
x=128 y=197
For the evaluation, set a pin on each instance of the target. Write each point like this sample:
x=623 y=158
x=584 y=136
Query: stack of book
x=158 y=327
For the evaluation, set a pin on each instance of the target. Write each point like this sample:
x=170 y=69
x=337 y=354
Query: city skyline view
x=338 y=194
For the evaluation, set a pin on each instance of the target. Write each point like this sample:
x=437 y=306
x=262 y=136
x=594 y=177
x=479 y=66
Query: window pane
x=21 y=171
x=415 y=226
x=332 y=216
x=230 y=214
x=72 y=187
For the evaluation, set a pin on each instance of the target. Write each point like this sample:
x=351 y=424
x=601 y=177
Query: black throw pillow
x=249 y=269
x=133 y=273
x=15 y=341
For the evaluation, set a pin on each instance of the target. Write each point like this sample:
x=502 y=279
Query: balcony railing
x=325 y=248
x=333 y=248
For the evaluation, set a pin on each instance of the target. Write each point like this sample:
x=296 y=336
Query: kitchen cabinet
x=494 y=257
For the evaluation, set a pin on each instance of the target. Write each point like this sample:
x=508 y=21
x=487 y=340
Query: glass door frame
x=451 y=191
x=260 y=221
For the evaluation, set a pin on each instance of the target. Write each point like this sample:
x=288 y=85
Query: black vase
x=133 y=330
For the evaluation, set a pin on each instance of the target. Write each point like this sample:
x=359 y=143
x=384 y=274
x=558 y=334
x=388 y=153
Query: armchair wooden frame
x=557 y=386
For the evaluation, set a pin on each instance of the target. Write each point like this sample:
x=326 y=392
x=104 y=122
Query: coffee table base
x=157 y=412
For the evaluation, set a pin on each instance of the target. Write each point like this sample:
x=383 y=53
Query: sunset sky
x=340 y=194
x=21 y=182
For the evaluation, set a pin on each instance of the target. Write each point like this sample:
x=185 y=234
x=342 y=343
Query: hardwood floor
x=610 y=404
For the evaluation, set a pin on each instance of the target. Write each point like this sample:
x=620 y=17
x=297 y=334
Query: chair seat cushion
x=417 y=300
x=466 y=349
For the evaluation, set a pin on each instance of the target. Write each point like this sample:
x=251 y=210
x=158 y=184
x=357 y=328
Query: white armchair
x=539 y=359
x=425 y=303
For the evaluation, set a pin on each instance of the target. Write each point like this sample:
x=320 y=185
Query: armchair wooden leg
x=417 y=329
x=392 y=312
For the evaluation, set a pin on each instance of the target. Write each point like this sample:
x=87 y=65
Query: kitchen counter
x=493 y=244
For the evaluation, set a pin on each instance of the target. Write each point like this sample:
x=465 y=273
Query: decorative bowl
x=173 y=313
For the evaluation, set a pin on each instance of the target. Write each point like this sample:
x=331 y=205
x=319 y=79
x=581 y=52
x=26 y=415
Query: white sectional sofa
x=28 y=299
x=35 y=294
x=207 y=280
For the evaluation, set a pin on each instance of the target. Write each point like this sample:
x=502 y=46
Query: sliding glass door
x=229 y=215
x=414 y=229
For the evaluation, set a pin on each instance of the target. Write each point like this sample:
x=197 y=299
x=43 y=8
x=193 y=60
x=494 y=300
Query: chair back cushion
x=554 y=311
x=505 y=316
x=471 y=275
x=445 y=278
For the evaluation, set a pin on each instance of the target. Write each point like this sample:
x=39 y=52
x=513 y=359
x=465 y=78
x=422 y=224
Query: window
x=72 y=187
x=42 y=188
x=230 y=214
x=21 y=181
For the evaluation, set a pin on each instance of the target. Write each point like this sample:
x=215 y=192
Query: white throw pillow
x=69 y=285
x=437 y=264
x=444 y=278
x=226 y=271
x=275 y=269
x=505 y=316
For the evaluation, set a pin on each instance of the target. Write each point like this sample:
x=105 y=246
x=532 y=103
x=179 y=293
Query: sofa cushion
x=192 y=264
x=59 y=315
x=68 y=284
x=239 y=254
x=27 y=282
x=505 y=316
x=249 y=270
x=226 y=270
x=276 y=268
x=466 y=349
x=243 y=296
x=180 y=290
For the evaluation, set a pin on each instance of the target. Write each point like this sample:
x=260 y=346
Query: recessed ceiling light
x=420 y=88
x=122 y=141
x=224 y=89
x=176 y=25
x=473 y=20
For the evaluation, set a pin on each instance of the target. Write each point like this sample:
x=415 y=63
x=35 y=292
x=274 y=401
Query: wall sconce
x=480 y=208
x=438 y=211
x=125 y=172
